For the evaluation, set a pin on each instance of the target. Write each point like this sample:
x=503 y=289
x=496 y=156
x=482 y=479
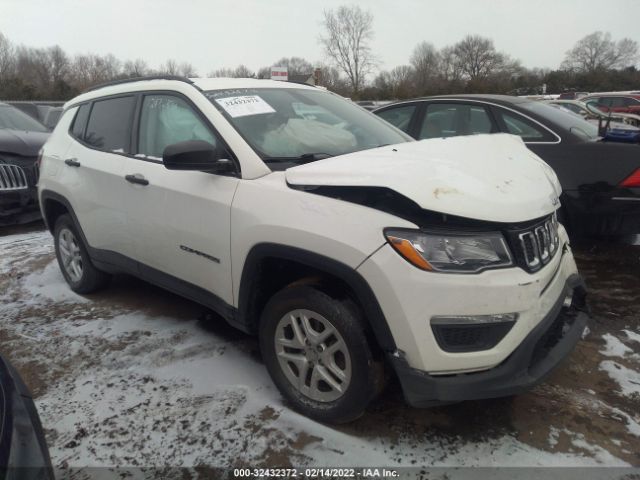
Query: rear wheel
x=73 y=258
x=316 y=351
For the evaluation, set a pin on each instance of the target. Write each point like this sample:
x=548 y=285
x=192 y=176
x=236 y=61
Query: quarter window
x=527 y=130
x=165 y=120
x=399 y=117
x=109 y=126
x=80 y=122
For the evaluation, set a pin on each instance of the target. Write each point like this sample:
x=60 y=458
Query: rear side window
x=80 y=122
x=165 y=120
x=109 y=126
x=455 y=119
x=399 y=117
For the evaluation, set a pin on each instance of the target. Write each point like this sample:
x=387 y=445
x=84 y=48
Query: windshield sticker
x=245 y=105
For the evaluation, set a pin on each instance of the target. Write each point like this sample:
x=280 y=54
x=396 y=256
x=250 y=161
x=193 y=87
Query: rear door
x=92 y=171
x=180 y=220
x=451 y=119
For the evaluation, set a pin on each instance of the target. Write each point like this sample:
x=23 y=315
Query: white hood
x=485 y=177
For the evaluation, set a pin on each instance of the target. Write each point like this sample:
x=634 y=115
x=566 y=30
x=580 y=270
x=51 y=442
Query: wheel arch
x=53 y=205
x=264 y=265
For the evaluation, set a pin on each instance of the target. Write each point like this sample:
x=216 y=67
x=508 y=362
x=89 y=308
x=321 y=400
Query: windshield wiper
x=304 y=158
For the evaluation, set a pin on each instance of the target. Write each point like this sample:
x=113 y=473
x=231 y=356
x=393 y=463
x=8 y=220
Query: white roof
x=202 y=83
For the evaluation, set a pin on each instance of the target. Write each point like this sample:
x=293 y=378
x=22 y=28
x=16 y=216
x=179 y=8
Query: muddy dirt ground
x=137 y=376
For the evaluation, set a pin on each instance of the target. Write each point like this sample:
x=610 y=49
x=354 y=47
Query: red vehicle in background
x=615 y=102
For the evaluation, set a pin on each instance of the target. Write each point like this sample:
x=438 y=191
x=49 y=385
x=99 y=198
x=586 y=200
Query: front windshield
x=565 y=119
x=301 y=125
x=14 y=119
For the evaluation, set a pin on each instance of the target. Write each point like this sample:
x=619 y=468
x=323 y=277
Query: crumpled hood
x=485 y=177
x=20 y=142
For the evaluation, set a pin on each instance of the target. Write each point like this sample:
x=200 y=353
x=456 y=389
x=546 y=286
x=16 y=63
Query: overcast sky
x=221 y=33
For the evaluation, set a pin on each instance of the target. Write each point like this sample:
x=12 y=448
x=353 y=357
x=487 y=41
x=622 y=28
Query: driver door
x=179 y=220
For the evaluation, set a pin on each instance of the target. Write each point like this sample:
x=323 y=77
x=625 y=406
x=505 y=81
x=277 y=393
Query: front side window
x=399 y=117
x=109 y=125
x=301 y=125
x=165 y=120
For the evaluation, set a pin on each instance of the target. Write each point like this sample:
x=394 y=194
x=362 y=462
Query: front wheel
x=316 y=351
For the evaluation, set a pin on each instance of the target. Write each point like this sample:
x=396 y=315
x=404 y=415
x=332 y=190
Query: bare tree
x=264 y=72
x=332 y=79
x=6 y=57
x=241 y=71
x=186 y=69
x=477 y=58
x=597 y=51
x=295 y=65
x=135 y=68
x=170 y=67
x=59 y=63
x=425 y=60
x=348 y=31
x=450 y=69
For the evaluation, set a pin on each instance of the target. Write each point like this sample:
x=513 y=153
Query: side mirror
x=196 y=155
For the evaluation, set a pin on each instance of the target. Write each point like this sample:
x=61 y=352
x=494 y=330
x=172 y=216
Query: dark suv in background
x=21 y=138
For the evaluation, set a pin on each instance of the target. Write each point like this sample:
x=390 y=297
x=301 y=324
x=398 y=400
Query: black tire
x=91 y=279
x=366 y=374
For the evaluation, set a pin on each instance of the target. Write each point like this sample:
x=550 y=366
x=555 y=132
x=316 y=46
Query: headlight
x=451 y=252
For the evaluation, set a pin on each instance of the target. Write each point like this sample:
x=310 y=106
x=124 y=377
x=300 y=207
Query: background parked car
x=50 y=116
x=615 y=127
x=23 y=449
x=600 y=180
x=612 y=102
x=21 y=138
x=46 y=113
x=572 y=95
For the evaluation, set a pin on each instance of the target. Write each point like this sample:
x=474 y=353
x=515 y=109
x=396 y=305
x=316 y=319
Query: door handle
x=72 y=162
x=137 y=178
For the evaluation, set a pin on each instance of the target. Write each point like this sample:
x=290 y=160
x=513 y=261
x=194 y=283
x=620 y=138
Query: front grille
x=12 y=177
x=535 y=246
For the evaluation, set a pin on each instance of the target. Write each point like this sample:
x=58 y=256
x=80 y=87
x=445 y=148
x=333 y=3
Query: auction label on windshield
x=245 y=105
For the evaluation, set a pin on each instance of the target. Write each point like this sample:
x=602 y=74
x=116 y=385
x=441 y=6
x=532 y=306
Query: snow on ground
x=136 y=376
x=627 y=379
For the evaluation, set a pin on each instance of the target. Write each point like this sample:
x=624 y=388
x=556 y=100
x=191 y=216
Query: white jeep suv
x=351 y=250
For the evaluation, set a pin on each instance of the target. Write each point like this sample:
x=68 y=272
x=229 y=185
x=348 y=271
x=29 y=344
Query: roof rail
x=140 y=79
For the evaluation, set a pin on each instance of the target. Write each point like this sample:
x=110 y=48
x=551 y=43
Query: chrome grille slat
x=12 y=177
x=539 y=244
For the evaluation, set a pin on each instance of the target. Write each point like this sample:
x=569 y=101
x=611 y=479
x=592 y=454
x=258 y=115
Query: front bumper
x=19 y=206
x=541 y=351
